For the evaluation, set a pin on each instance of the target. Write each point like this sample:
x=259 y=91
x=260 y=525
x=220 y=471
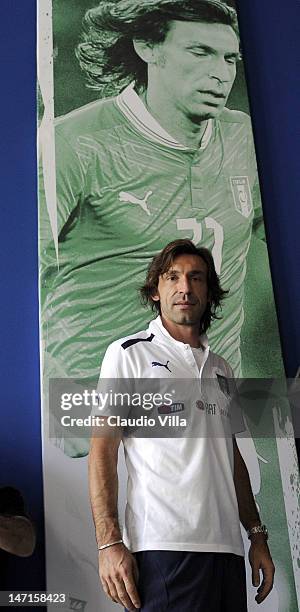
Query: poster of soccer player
x=158 y=146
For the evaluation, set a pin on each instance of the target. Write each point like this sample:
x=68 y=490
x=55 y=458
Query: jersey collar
x=131 y=105
x=156 y=327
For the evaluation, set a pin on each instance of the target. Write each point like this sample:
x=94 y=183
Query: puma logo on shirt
x=132 y=199
x=162 y=365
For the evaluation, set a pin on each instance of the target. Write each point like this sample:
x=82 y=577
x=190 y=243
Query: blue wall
x=271 y=34
x=20 y=440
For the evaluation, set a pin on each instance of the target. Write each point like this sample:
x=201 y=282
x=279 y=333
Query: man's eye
x=198 y=53
x=172 y=277
x=231 y=60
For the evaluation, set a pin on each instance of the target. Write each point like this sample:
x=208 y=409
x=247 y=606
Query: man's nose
x=184 y=285
x=221 y=70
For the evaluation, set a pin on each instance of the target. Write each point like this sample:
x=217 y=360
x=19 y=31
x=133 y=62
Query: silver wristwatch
x=258 y=529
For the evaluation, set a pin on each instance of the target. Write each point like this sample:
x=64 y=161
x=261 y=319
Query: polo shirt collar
x=131 y=105
x=156 y=327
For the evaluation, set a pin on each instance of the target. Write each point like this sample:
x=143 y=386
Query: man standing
x=185 y=496
x=164 y=159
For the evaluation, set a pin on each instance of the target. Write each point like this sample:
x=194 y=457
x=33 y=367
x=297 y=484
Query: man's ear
x=155 y=297
x=145 y=51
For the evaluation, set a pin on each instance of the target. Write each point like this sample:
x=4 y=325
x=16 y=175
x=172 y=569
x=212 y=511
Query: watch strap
x=258 y=529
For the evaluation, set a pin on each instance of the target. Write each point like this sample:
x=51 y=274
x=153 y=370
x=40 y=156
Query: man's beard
x=198 y=119
x=188 y=320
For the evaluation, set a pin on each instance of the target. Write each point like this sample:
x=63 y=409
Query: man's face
x=182 y=291
x=196 y=67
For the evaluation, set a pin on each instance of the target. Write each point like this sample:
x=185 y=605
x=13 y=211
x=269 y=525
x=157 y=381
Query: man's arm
x=117 y=566
x=17 y=535
x=259 y=554
x=258 y=229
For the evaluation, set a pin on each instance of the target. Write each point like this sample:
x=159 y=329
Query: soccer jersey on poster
x=125 y=189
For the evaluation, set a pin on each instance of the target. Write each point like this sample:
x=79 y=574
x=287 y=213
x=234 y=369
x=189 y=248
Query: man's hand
x=260 y=559
x=118 y=573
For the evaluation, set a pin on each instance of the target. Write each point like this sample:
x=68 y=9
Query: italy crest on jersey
x=241 y=194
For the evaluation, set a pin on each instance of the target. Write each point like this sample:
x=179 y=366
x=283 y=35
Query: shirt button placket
x=197 y=182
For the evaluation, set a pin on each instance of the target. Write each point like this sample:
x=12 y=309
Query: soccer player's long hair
x=106 y=53
x=163 y=261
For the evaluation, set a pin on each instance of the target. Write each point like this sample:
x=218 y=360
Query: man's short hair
x=162 y=262
x=106 y=53
x=11 y=502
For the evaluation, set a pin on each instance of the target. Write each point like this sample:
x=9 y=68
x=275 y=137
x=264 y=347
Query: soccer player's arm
x=259 y=295
x=259 y=554
x=258 y=227
x=258 y=220
x=117 y=566
x=17 y=533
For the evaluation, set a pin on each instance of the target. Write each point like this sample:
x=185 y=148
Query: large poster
x=116 y=186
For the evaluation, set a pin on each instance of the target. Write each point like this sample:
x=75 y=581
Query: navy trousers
x=173 y=581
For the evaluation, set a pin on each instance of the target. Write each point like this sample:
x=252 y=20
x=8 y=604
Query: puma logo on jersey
x=162 y=365
x=124 y=196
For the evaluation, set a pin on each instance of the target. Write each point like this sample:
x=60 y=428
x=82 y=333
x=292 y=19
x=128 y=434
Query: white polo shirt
x=180 y=492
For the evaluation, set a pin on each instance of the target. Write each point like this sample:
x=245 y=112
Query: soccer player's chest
x=178 y=386
x=144 y=193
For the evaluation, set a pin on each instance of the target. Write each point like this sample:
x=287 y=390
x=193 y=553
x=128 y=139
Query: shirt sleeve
x=237 y=420
x=258 y=221
x=60 y=190
x=114 y=389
